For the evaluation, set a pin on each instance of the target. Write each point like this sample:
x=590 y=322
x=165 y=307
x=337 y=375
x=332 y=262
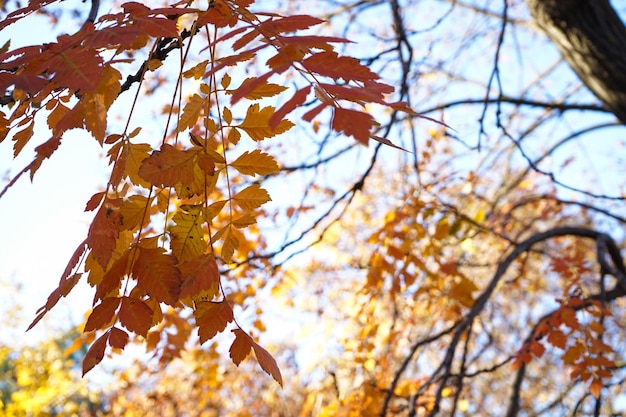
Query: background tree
x=472 y=269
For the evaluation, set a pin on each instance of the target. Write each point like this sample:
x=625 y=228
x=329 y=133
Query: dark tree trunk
x=592 y=39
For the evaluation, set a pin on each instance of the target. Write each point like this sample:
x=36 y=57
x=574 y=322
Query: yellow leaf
x=230 y=245
x=196 y=71
x=187 y=235
x=252 y=197
x=260 y=91
x=228 y=116
x=255 y=163
x=135 y=155
x=255 y=124
x=225 y=81
x=191 y=112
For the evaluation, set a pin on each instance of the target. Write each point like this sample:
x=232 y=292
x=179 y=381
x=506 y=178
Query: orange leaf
x=353 y=123
x=112 y=279
x=252 y=197
x=95 y=354
x=256 y=88
x=136 y=316
x=94 y=201
x=22 y=137
x=557 y=339
x=118 y=338
x=267 y=362
x=191 y=112
x=104 y=231
x=240 y=347
x=537 y=348
x=256 y=123
x=102 y=314
x=135 y=211
x=212 y=318
x=169 y=166
x=255 y=163
x=200 y=276
x=595 y=387
x=157 y=275
x=231 y=243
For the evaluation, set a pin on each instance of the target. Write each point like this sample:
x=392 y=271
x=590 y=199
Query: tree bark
x=592 y=39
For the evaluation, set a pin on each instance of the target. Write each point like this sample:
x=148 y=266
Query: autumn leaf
x=118 y=338
x=135 y=315
x=255 y=163
x=557 y=338
x=187 y=235
x=330 y=64
x=267 y=362
x=256 y=123
x=200 y=277
x=135 y=211
x=157 y=274
x=240 y=347
x=353 y=123
x=95 y=354
x=191 y=112
x=102 y=314
x=104 y=231
x=252 y=197
x=169 y=166
x=134 y=155
x=230 y=245
x=260 y=90
x=212 y=318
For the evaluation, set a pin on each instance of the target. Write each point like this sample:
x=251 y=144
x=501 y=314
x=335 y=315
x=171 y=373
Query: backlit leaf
x=255 y=163
x=135 y=315
x=95 y=354
x=118 y=338
x=212 y=318
x=169 y=166
x=102 y=314
x=252 y=197
x=200 y=277
x=255 y=124
x=191 y=112
x=240 y=347
x=157 y=274
x=267 y=362
x=187 y=235
x=104 y=231
x=353 y=123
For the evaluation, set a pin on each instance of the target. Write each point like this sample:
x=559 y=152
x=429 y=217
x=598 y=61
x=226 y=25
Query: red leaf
x=557 y=339
x=95 y=354
x=267 y=362
x=330 y=64
x=157 y=275
x=240 y=347
x=353 y=123
x=102 y=314
x=136 y=316
x=297 y=100
x=200 y=276
x=212 y=318
x=104 y=231
x=118 y=338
